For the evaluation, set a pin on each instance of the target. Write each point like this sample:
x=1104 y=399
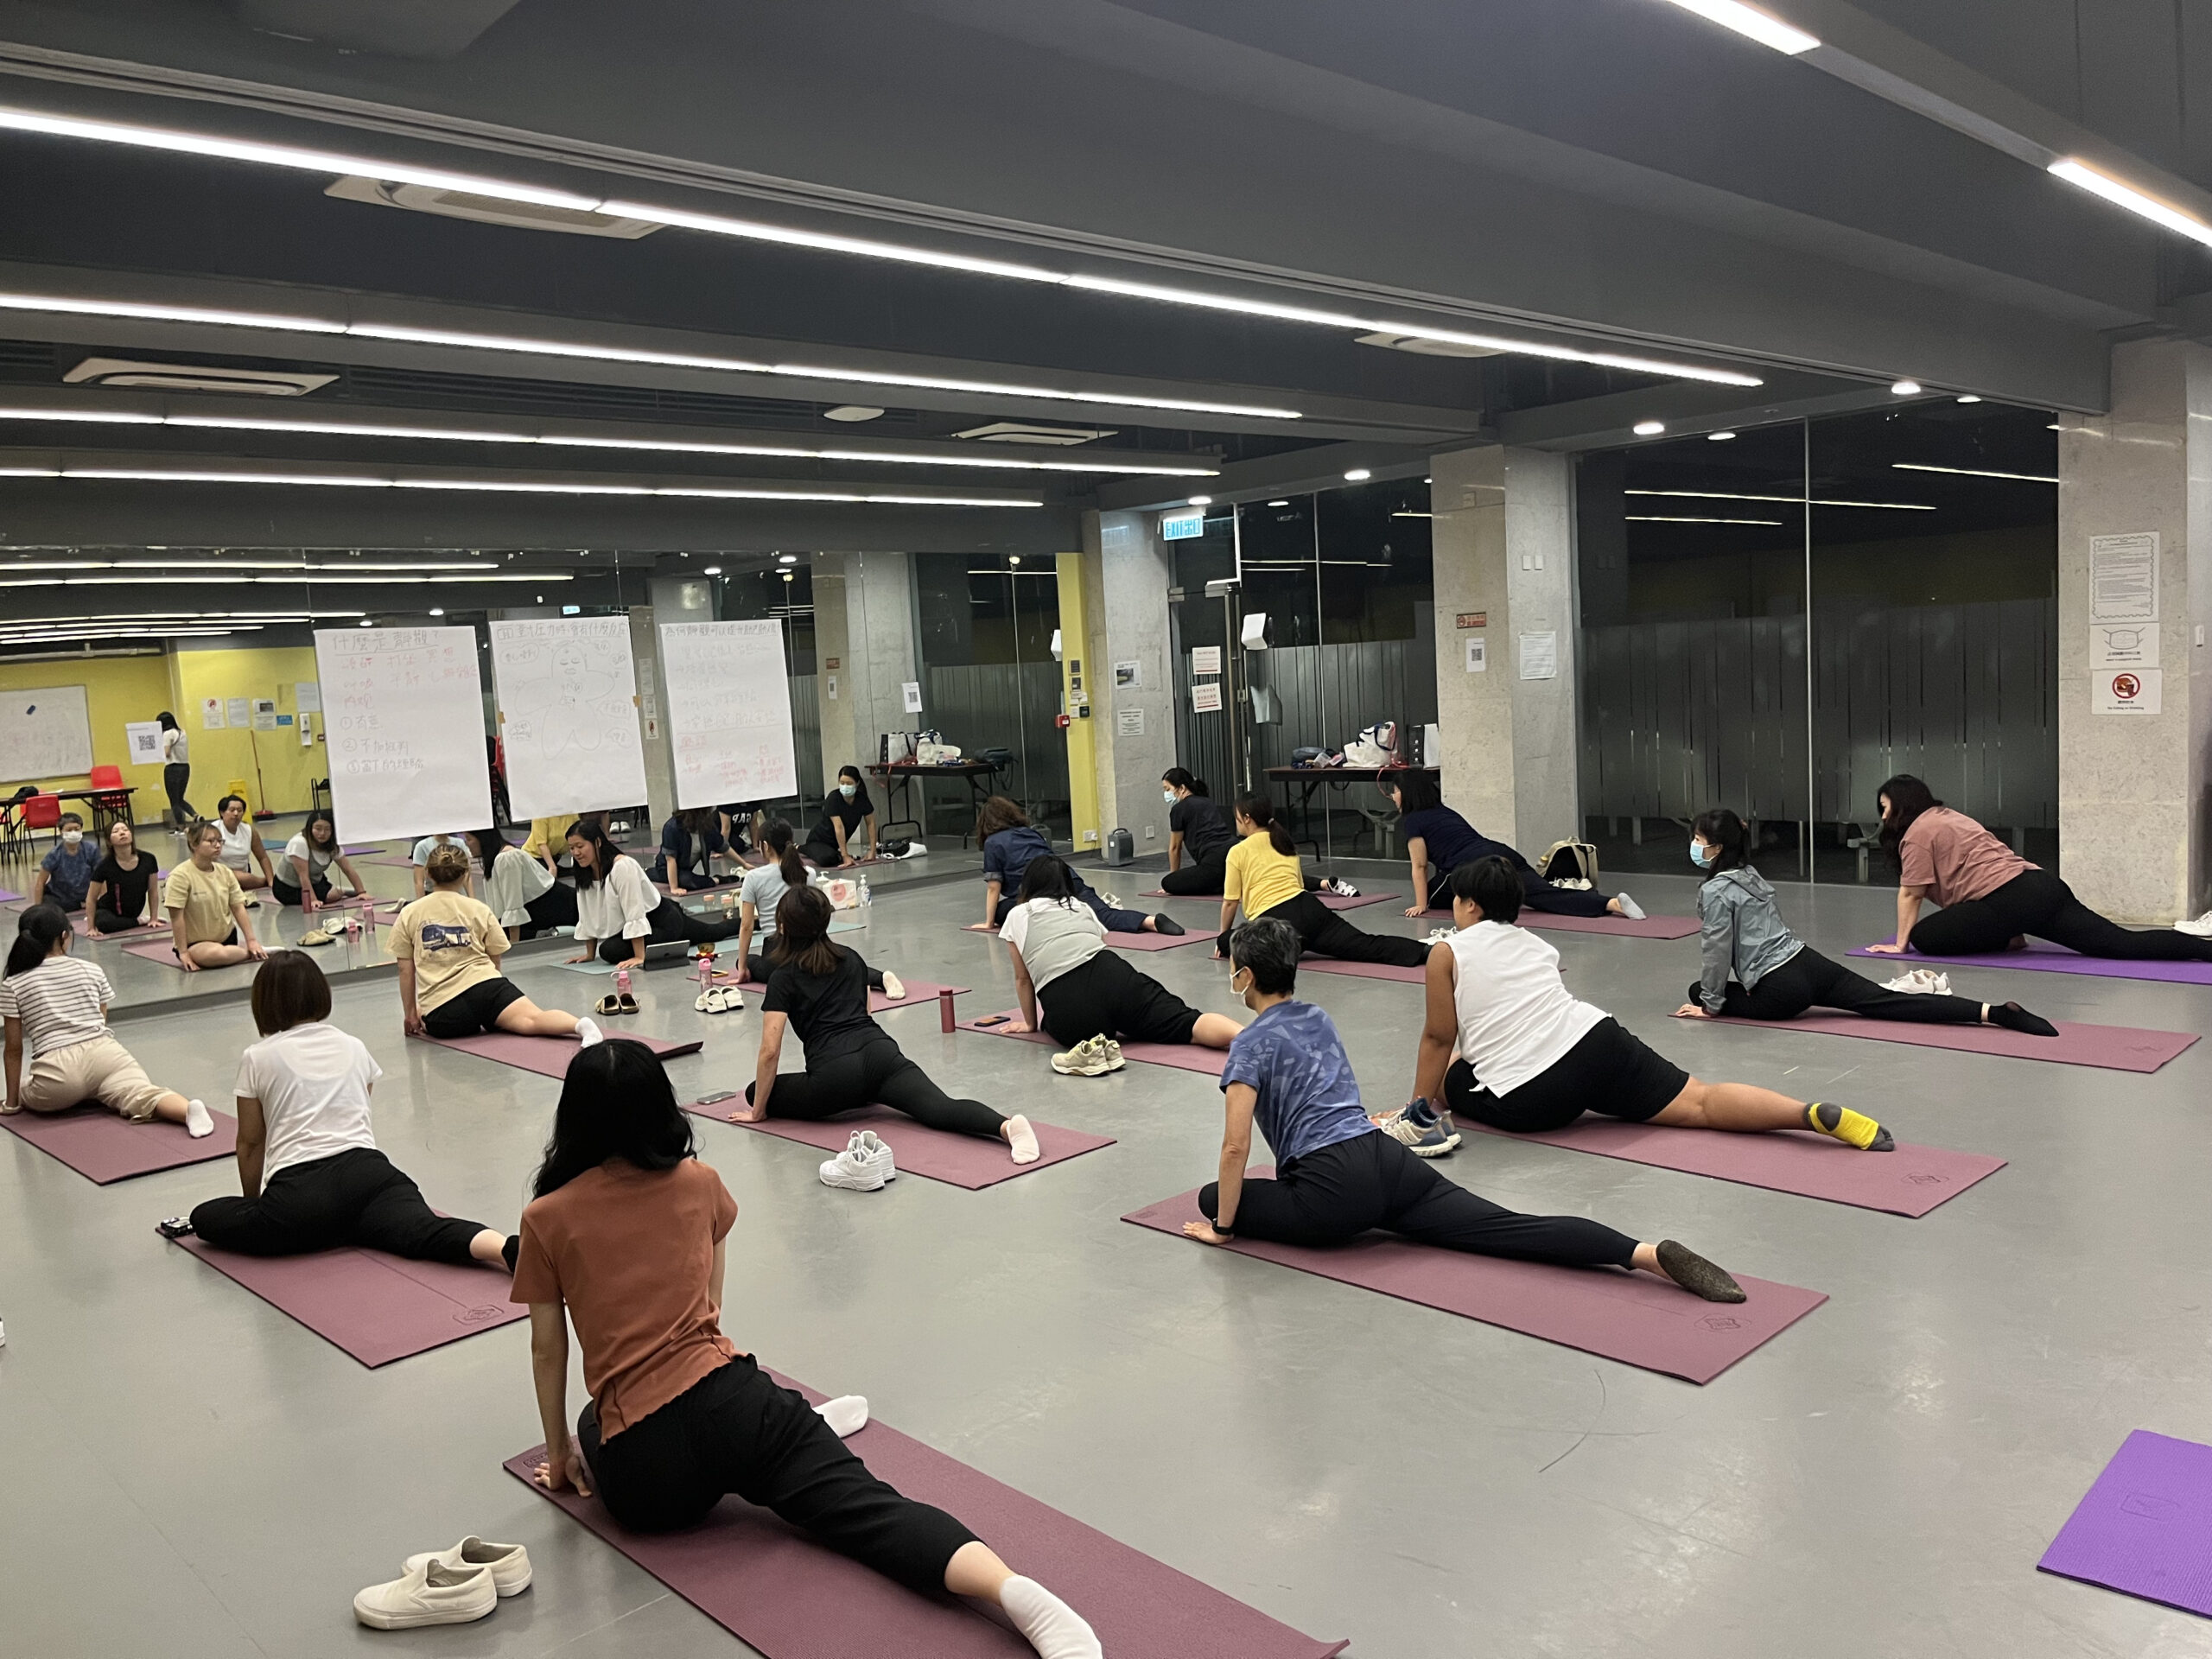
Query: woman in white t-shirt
x=523 y=893
x=421 y=857
x=1506 y=1043
x=764 y=888
x=242 y=848
x=310 y=1172
x=304 y=880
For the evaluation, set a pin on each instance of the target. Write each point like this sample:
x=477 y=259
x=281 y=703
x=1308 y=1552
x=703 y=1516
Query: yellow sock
x=1853 y=1128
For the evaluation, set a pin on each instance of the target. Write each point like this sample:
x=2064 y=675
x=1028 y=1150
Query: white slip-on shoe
x=875 y=1155
x=1630 y=908
x=852 y=1169
x=429 y=1594
x=894 y=987
x=510 y=1563
x=2201 y=928
x=199 y=1122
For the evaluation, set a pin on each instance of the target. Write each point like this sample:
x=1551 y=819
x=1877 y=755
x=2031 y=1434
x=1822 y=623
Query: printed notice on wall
x=401 y=763
x=1128 y=722
x=306 y=696
x=239 y=712
x=1206 y=659
x=144 y=738
x=1127 y=675
x=2123 y=577
x=211 y=714
x=1206 y=699
x=2126 y=691
x=2127 y=644
x=911 y=690
x=1478 y=653
x=1540 y=656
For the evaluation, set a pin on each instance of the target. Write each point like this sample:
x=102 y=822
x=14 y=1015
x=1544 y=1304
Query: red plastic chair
x=109 y=798
x=43 y=812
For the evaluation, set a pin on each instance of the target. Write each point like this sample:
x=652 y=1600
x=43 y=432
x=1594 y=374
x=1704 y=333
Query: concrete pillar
x=2131 y=783
x=1134 y=724
x=1504 y=539
x=864 y=622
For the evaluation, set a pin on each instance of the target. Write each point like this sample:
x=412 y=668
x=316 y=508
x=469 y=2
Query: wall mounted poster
x=407 y=752
x=567 y=698
x=730 y=711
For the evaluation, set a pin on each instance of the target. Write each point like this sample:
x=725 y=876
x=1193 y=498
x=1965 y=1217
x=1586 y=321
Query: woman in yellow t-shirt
x=1263 y=875
x=449 y=946
x=208 y=919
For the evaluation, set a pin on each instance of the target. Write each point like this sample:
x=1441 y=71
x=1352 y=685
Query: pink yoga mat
x=1650 y=927
x=1635 y=1318
x=2118 y=1048
x=918 y=991
x=377 y=1307
x=104 y=1147
x=2145 y=1528
x=1184 y=1056
x=1331 y=900
x=1144 y=941
x=2044 y=958
x=968 y=1160
x=777 y=1590
x=548 y=1055
x=83 y=925
x=1909 y=1181
x=1363 y=970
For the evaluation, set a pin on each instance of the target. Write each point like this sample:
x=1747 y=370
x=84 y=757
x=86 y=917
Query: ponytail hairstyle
x=1909 y=798
x=1048 y=877
x=803 y=931
x=1180 y=777
x=34 y=935
x=1722 y=830
x=998 y=813
x=1261 y=812
x=782 y=839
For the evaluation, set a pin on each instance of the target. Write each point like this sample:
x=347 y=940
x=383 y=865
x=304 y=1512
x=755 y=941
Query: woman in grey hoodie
x=1756 y=968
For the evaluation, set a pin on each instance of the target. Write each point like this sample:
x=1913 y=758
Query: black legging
x=876 y=1075
x=1202 y=880
x=109 y=921
x=174 y=777
x=2037 y=902
x=1332 y=1196
x=756 y=969
x=1536 y=894
x=287 y=894
x=1328 y=934
x=354 y=1196
x=555 y=908
x=736 y=1431
x=1810 y=980
x=670 y=920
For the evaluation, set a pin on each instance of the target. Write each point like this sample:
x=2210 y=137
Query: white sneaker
x=198 y=1120
x=2201 y=928
x=587 y=1031
x=1921 y=981
x=859 y=1167
x=1630 y=908
x=1341 y=888
x=510 y=1563
x=1094 y=1056
x=1438 y=935
x=894 y=987
x=429 y=1594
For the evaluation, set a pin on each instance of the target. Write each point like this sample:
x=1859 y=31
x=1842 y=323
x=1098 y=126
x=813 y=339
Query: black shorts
x=1106 y=997
x=1609 y=1071
x=476 y=1009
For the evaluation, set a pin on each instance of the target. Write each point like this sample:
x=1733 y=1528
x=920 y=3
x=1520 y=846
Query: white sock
x=198 y=1120
x=1023 y=1139
x=1630 y=908
x=587 y=1031
x=1053 y=1628
x=846 y=1414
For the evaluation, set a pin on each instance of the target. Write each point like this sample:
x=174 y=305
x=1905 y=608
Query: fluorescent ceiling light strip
x=319 y=481
x=206 y=577
x=168 y=312
x=1786 y=501
x=1669 y=518
x=1763 y=27
x=2158 y=212
x=1971 y=472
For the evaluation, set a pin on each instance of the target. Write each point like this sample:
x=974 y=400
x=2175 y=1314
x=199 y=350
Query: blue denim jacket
x=1743 y=936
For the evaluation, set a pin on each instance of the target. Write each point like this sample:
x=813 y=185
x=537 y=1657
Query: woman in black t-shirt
x=120 y=895
x=1199 y=836
x=843 y=812
x=820 y=990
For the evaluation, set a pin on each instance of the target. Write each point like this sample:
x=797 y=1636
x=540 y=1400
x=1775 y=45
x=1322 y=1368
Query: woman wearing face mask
x=1756 y=968
x=843 y=812
x=176 y=770
x=242 y=848
x=1199 y=829
x=64 y=876
x=122 y=892
x=1439 y=841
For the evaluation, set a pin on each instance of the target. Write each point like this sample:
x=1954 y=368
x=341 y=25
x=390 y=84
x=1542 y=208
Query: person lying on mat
x=845 y=810
x=209 y=923
x=1508 y=1045
x=242 y=848
x=619 y=912
x=64 y=876
x=1070 y=985
x=1263 y=878
x=627 y=1239
x=763 y=890
x=303 y=880
x=819 y=989
x=1439 y=841
x=1200 y=828
x=59 y=1004
x=1338 y=1176
x=1756 y=968
x=690 y=843
x=1991 y=898
x=522 y=892
x=121 y=895
x=1010 y=842
x=310 y=1177
x=449 y=946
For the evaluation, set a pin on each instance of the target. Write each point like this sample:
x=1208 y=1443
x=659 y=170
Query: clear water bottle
x=864 y=900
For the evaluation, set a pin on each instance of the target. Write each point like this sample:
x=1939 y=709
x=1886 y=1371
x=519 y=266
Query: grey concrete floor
x=189 y=1473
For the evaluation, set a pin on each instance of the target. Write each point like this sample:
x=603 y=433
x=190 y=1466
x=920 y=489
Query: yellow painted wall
x=287 y=770
x=116 y=689
x=1078 y=625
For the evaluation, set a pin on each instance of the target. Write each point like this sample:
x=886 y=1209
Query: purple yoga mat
x=1650 y=927
x=104 y=1147
x=9 y=897
x=1331 y=900
x=377 y=1307
x=2043 y=957
x=82 y=925
x=1184 y=1056
x=548 y=1055
x=1635 y=1318
x=2118 y=1048
x=2145 y=1528
x=969 y=1160
x=1909 y=1181
x=1363 y=970
x=1145 y=941
x=359 y=852
x=776 y=1589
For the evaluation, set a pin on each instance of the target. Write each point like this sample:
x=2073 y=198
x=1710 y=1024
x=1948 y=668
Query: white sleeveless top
x=238 y=845
x=1516 y=1017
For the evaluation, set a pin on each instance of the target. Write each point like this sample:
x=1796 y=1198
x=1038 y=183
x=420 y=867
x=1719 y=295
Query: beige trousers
x=100 y=1069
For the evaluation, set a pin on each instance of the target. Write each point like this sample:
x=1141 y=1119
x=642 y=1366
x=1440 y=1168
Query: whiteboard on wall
x=568 y=694
x=729 y=712
x=45 y=732
x=406 y=744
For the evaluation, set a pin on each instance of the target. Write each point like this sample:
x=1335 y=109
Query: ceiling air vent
x=1018 y=432
x=489 y=210
x=1420 y=347
x=192 y=377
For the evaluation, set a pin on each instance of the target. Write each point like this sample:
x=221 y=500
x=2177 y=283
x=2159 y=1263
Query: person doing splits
x=310 y=1177
x=819 y=990
x=208 y=919
x=1338 y=1176
x=303 y=879
x=1505 y=1043
x=845 y=810
x=763 y=890
x=690 y=843
x=1439 y=841
x=1756 y=968
x=1010 y=844
x=523 y=893
x=1263 y=877
x=627 y=1239
x=121 y=893
x=619 y=912
x=1199 y=829
x=242 y=848
x=449 y=946
x=1086 y=996
x=64 y=876
x=59 y=1005
x=1991 y=898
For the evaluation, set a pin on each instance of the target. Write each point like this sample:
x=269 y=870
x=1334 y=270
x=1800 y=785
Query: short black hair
x=1491 y=883
x=1268 y=949
x=289 y=990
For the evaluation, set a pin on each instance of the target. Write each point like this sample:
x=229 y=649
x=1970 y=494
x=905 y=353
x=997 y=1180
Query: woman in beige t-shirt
x=208 y=919
x=449 y=946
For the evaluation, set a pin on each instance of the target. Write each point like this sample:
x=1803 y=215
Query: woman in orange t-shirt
x=626 y=1239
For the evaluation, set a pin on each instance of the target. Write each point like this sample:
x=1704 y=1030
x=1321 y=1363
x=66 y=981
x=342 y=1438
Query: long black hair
x=34 y=935
x=1262 y=811
x=1048 y=877
x=1416 y=791
x=1722 y=830
x=802 y=917
x=779 y=838
x=307 y=829
x=166 y=719
x=1909 y=798
x=592 y=830
x=1181 y=778
x=490 y=843
x=616 y=1102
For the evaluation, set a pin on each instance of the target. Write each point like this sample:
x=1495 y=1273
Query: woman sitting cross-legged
x=1010 y=842
x=627 y=1239
x=1507 y=1044
x=1090 y=997
x=1439 y=841
x=619 y=912
x=763 y=890
x=1264 y=878
x=1338 y=1176
x=1756 y=968
x=819 y=989
x=310 y=1177
x=449 y=946
x=208 y=920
